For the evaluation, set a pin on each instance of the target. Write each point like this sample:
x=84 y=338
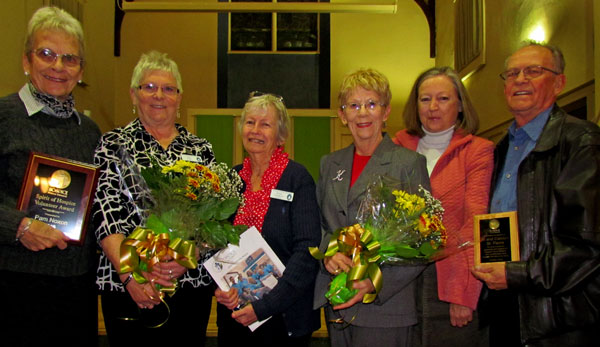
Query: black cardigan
x=39 y=132
x=290 y=228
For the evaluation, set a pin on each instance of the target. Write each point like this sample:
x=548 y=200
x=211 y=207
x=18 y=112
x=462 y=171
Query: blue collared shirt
x=521 y=141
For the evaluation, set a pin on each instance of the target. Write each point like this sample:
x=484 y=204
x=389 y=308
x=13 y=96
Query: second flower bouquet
x=394 y=227
x=408 y=226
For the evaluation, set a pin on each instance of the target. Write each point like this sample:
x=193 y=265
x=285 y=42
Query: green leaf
x=387 y=249
x=232 y=233
x=226 y=208
x=237 y=231
x=240 y=228
x=155 y=224
x=153 y=175
x=206 y=210
x=405 y=251
x=215 y=233
x=426 y=249
x=338 y=292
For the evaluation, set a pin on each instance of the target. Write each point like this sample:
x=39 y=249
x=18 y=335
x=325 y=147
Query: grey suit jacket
x=395 y=304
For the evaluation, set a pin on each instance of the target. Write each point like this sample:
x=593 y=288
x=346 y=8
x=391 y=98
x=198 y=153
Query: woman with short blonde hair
x=343 y=179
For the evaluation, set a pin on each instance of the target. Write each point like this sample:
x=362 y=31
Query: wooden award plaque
x=496 y=237
x=59 y=192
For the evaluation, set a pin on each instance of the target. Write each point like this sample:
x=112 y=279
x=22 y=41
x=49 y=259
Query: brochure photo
x=252 y=268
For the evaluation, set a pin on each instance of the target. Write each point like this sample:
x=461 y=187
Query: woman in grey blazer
x=365 y=106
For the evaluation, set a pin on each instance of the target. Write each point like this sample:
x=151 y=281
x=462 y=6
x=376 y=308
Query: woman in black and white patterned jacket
x=156 y=95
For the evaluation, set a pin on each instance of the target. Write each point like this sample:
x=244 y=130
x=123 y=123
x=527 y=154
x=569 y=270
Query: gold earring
x=133 y=109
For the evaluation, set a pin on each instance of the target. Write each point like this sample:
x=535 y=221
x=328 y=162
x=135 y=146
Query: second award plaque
x=59 y=192
x=496 y=237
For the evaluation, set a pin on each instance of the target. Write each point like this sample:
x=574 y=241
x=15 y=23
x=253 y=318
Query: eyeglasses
x=256 y=93
x=151 y=88
x=370 y=106
x=49 y=56
x=529 y=72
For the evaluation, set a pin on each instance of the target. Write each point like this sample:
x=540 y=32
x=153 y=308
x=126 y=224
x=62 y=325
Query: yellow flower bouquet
x=185 y=215
x=408 y=227
x=394 y=227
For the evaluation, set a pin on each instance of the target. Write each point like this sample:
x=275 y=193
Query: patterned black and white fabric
x=56 y=107
x=117 y=209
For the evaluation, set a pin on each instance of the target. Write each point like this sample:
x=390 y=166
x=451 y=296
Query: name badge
x=282 y=195
x=192 y=158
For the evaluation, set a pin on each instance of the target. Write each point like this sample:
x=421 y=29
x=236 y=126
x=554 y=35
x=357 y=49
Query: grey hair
x=558 y=60
x=54 y=18
x=155 y=61
x=262 y=102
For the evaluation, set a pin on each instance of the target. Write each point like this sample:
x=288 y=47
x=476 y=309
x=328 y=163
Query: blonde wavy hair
x=368 y=79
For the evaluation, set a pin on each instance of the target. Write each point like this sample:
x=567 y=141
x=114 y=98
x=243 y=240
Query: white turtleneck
x=433 y=145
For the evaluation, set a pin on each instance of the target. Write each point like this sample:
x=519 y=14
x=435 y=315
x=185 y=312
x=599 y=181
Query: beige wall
x=395 y=44
x=14 y=15
x=190 y=39
x=97 y=97
x=569 y=25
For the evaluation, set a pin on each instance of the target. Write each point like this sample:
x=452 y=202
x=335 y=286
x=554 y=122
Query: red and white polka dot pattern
x=257 y=203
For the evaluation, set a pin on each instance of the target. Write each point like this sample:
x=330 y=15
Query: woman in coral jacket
x=440 y=122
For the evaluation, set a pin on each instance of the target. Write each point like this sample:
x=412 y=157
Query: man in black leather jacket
x=547 y=168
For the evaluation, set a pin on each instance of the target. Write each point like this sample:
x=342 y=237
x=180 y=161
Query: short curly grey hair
x=155 y=61
x=54 y=18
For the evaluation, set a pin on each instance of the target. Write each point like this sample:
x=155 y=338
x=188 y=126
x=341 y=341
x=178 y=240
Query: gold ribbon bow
x=150 y=248
x=358 y=244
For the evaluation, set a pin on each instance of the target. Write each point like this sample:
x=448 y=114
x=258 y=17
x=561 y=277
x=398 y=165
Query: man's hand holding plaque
x=496 y=237
x=493 y=274
x=496 y=242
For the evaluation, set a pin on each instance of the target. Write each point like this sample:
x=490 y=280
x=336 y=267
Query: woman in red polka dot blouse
x=280 y=202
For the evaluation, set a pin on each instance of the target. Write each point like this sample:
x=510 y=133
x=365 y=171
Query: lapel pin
x=339 y=176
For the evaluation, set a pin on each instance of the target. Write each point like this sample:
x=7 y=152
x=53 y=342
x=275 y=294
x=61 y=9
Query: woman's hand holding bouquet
x=395 y=228
x=185 y=216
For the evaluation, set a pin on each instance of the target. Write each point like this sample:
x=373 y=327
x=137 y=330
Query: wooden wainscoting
x=101 y=328
x=211 y=329
x=313 y=133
